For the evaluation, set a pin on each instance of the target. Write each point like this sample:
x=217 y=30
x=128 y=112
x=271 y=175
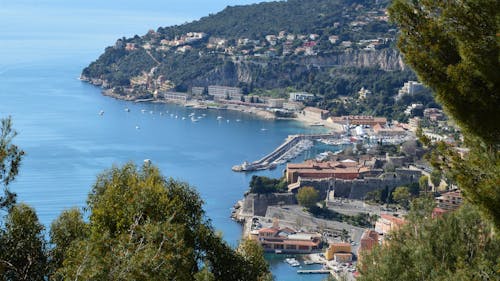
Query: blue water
x=43 y=48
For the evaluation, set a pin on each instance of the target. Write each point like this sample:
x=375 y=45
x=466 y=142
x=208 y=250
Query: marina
x=288 y=150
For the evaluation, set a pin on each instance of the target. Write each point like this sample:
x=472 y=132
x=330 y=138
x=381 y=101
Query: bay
x=44 y=47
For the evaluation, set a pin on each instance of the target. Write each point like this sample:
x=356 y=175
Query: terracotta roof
x=393 y=219
x=268 y=230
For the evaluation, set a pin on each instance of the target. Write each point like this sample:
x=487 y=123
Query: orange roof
x=268 y=230
x=393 y=219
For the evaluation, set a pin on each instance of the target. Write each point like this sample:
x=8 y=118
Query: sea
x=71 y=132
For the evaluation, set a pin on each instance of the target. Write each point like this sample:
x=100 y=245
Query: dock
x=277 y=156
x=314 y=271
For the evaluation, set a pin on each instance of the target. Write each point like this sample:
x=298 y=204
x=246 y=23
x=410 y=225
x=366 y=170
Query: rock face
x=386 y=59
x=281 y=70
x=256 y=204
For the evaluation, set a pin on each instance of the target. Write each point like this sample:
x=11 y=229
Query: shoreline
x=252 y=110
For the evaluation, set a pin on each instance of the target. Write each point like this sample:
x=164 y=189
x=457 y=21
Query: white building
x=300 y=96
x=223 y=92
x=411 y=88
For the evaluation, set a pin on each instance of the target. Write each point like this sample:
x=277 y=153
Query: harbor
x=289 y=149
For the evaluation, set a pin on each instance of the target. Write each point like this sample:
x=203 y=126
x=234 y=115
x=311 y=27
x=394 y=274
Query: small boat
x=263 y=129
x=143 y=110
x=101 y=112
x=220 y=117
x=227 y=121
x=127 y=109
x=137 y=127
x=238 y=120
x=194 y=119
x=183 y=118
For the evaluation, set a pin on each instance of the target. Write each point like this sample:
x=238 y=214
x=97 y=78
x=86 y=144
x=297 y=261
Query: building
x=197 y=91
x=311 y=169
x=301 y=96
x=369 y=239
x=450 y=200
x=286 y=240
x=223 y=92
x=293 y=106
x=363 y=93
x=387 y=223
x=315 y=113
x=175 y=96
x=339 y=251
x=276 y=103
x=411 y=88
x=359 y=120
x=384 y=131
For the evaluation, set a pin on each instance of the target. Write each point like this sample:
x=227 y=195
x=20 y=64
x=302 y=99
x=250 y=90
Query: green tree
x=22 y=246
x=308 y=196
x=435 y=178
x=69 y=228
x=402 y=196
x=423 y=183
x=254 y=256
x=454 y=48
x=10 y=161
x=344 y=235
x=145 y=227
x=458 y=246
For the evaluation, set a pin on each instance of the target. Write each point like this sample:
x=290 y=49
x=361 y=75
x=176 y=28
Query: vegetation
x=458 y=246
x=248 y=60
x=308 y=196
x=361 y=219
x=141 y=227
x=263 y=185
x=454 y=48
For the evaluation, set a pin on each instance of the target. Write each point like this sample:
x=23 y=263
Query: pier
x=314 y=271
x=278 y=155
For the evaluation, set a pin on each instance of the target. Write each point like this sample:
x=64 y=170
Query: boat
x=137 y=127
x=183 y=118
x=292 y=261
x=263 y=129
x=101 y=112
x=220 y=117
x=238 y=120
x=194 y=119
x=127 y=109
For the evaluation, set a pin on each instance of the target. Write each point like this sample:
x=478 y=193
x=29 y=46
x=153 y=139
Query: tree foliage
x=144 y=227
x=22 y=246
x=454 y=48
x=458 y=246
x=10 y=161
x=262 y=185
x=308 y=196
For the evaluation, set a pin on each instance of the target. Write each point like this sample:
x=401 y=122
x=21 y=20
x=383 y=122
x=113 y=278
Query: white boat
x=292 y=261
x=101 y=112
x=194 y=119
x=127 y=109
x=238 y=120
x=137 y=127
x=220 y=117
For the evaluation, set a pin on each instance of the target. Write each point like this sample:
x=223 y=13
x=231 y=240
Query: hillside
x=330 y=48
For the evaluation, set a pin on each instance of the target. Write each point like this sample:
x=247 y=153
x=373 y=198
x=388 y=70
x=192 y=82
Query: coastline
x=207 y=104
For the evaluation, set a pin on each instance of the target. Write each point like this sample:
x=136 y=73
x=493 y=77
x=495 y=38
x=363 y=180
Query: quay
x=277 y=156
x=314 y=271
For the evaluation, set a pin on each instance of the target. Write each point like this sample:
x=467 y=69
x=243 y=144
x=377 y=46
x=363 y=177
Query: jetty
x=314 y=271
x=289 y=149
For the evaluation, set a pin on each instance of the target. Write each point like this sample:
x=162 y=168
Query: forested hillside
x=331 y=48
